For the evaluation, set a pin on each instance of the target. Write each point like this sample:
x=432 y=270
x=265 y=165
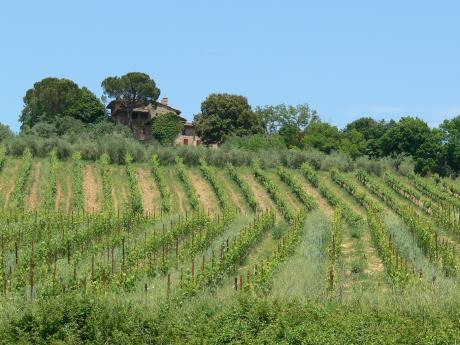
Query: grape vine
x=244 y=186
x=161 y=183
x=135 y=195
x=189 y=188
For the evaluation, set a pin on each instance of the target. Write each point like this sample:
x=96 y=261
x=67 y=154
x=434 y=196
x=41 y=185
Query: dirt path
x=205 y=194
x=115 y=200
x=8 y=193
x=230 y=187
x=374 y=263
x=176 y=193
x=147 y=188
x=235 y=199
x=9 y=183
x=33 y=198
x=90 y=190
x=124 y=196
x=348 y=252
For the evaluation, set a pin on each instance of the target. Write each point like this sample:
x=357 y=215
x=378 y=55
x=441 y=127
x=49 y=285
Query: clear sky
x=345 y=58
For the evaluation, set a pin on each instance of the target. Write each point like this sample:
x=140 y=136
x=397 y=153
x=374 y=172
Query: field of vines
x=153 y=253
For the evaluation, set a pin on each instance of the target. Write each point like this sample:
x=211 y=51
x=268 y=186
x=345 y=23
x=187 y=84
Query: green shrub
x=357 y=266
x=80 y=319
x=279 y=230
x=166 y=127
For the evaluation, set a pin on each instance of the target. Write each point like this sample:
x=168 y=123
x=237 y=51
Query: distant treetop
x=130 y=90
x=52 y=99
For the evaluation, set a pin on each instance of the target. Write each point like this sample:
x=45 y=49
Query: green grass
x=303 y=276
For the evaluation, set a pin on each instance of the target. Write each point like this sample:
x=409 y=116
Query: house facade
x=142 y=120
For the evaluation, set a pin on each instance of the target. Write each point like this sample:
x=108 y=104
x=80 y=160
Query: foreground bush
x=75 y=319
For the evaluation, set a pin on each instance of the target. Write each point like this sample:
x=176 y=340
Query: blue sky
x=347 y=59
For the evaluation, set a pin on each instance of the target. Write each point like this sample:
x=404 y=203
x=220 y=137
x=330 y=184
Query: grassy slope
x=363 y=308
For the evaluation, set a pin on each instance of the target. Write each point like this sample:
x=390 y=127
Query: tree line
x=60 y=108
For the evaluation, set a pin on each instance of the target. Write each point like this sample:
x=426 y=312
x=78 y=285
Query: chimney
x=164 y=101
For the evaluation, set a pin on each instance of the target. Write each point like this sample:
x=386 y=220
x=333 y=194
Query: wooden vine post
x=123 y=254
x=331 y=279
x=193 y=271
x=168 y=290
x=92 y=269
x=31 y=279
x=68 y=252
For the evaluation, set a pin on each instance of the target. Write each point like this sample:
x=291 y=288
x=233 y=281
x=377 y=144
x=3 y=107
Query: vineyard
x=174 y=239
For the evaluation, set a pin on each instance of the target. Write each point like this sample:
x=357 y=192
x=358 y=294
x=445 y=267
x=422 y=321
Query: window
x=198 y=142
x=185 y=141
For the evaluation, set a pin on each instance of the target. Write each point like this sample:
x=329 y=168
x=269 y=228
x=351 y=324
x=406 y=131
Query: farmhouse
x=143 y=117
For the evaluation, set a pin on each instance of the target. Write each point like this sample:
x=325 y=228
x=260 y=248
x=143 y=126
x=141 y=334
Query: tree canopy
x=276 y=117
x=450 y=131
x=368 y=127
x=52 y=99
x=405 y=137
x=353 y=143
x=5 y=132
x=166 y=127
x=131 y=90
x=224 y=115
x=56 y=107
x=322 y=136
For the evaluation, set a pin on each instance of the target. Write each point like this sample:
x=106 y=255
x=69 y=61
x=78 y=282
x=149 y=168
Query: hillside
x=179 y=253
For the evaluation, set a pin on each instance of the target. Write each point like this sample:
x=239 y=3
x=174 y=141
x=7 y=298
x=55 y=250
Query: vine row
x=244 y=186
x=307 y=200
x=337 y=229
x=106 y=183
x=161 y=183
x=444 y=217
x=425 y=236
x=332 y=198
x=216 y=185
x=274 y=192
x=285 y=248
x=135 y=195
x=189 y=188
x=17 y=198
x=230 y=256
x=432 y=192
x=77 y=182
x=50 y=195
